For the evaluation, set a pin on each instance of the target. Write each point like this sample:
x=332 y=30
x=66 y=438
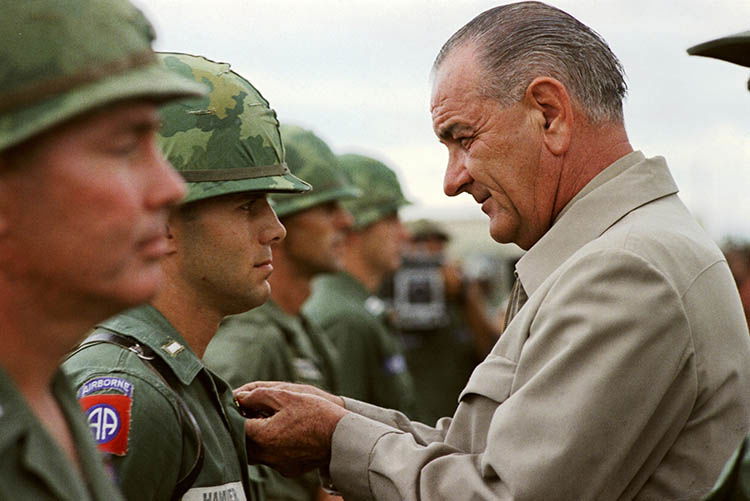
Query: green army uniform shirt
x=31 y=467
x=268 y=344
x=137 y=417
x=373 y=366
x=440 y=361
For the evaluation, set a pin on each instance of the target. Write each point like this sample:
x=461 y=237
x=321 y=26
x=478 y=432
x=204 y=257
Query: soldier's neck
x=290 y=286
x=194 y=318
x=371 y=279
x=362 y=269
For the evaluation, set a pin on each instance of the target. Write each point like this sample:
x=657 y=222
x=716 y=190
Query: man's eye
x=465 y=141
x=251 y=205
x=122 y=148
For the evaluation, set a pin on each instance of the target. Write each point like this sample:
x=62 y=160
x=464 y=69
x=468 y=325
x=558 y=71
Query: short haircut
x=518 y=42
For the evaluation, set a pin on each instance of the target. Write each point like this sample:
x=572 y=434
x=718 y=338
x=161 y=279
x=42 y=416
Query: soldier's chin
x=138 y=288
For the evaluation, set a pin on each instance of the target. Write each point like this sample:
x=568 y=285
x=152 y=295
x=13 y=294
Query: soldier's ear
x=550 y=99
x=171 y=240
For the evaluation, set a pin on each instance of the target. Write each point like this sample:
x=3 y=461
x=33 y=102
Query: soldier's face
x=223 y=251
x=83 y=210
x=495 y=153
x=383 y=243
x=315 y=238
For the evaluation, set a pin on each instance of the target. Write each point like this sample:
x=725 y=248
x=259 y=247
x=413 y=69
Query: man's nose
x=456 y=176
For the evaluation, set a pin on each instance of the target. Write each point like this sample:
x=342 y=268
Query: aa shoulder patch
x=108 y=413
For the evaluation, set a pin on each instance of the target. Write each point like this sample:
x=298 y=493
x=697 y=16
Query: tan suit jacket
x=626 y=375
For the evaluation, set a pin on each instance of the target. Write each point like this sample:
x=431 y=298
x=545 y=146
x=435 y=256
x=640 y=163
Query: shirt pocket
x=493 y=379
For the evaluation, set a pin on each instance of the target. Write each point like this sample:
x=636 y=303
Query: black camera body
x=419 y=294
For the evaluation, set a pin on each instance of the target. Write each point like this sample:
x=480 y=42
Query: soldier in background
x=276 y=342
x=442 y=318
x=170 y=424
x=346 y=304
x=84 y=195
x=734 y=482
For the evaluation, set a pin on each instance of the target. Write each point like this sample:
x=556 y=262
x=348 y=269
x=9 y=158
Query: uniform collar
x=14 y=413
x=629 y=183
x=149 y=327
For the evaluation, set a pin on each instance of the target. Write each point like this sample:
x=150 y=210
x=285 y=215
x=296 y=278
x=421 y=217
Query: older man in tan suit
x=624 y=371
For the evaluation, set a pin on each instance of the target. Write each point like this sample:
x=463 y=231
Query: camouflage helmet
x=225 y=142
x=733 y=48
x=381 y=190
x=310 y=158
x=64 y=58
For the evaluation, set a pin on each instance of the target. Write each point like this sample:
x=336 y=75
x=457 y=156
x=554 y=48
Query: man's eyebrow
x=140 y=125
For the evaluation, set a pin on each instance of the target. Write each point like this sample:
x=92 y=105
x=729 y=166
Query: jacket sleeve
x=155 y=452
x=603 y=383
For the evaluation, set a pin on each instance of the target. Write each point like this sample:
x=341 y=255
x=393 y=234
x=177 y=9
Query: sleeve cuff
x=352 y=444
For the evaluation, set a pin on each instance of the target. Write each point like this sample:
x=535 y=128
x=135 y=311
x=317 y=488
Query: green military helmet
x=382 y=195
x=427 y=229
x=733 y=48
x=227 y=141
x=310 y=158
x=63 y=58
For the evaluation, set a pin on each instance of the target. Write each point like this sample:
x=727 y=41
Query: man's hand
x=297 y=388
x=296 y=436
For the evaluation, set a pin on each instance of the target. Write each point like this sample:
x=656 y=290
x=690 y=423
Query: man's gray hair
x=518 y=42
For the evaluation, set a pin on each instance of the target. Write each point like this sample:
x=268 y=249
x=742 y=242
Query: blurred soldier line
x=738 y=257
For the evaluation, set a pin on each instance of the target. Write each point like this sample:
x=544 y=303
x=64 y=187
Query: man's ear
x=550 y=97
x=169 y=232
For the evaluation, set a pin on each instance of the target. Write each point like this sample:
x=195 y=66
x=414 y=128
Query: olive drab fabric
x=310 y=158
x=268 y=344
x=733 y=48
x=61 y=58
x=31 y=468
x=228 y=141
x=373 y=365
x=381 y=191
x=160 y=444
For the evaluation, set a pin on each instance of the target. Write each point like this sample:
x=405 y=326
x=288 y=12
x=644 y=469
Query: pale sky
x=357 y=73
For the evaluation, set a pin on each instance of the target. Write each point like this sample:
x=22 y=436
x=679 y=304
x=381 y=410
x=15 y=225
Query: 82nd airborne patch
x=107 y=402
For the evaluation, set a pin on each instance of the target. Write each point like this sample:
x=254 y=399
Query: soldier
x=734 y=482
x=442 y=318
x=276 y=342
x=168 y=422
x=84 y=194
x=345 y=303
